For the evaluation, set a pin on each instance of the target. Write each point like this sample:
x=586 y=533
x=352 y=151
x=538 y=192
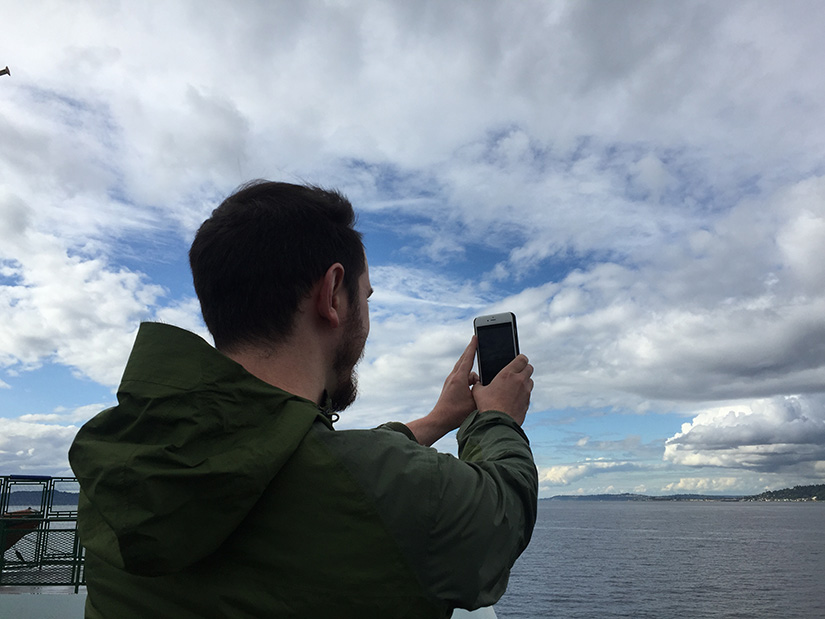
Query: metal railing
x=38 y=532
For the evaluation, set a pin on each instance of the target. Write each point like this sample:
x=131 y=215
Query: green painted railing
x=38 y=532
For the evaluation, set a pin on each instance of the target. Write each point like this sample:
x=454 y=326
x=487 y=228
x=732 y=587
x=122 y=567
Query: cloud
x=568 y=473
x=406 y=362
x=186 y=314
x=643 y=183
x=405 y=289
x=652 y=331
x=629 y=444
x=681 y=325
x=767 y=435
x=74 y=309
x=702 y=484
x=39 y=444
x=248 y=91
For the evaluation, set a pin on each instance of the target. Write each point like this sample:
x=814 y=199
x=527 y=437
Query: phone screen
x=496 y=348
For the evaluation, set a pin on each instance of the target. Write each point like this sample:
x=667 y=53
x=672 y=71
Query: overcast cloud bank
x=642 y=183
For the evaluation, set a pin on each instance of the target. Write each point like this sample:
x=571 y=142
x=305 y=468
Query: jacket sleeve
x=460 y=522
x=483 y=511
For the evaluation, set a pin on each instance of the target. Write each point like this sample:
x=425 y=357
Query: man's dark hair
x=261 y=251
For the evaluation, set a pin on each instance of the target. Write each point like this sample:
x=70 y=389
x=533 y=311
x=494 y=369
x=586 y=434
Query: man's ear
x=330 y=295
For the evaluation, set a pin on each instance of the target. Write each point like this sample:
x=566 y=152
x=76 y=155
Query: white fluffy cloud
x=702 y=485
x=62 y=307
x=767 y=435
x=39 y=444
x=563 y=475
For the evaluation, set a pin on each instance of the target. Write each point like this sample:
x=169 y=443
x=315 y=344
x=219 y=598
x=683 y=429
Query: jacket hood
x=173 y=469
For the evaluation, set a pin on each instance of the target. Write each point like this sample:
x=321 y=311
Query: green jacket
x=208 y=493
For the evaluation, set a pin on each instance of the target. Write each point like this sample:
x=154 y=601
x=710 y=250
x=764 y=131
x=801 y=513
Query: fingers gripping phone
x=497 y=343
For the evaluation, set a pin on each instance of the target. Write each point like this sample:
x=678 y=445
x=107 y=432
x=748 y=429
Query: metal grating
x=38 y=532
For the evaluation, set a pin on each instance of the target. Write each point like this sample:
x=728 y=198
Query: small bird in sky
x=5 y=71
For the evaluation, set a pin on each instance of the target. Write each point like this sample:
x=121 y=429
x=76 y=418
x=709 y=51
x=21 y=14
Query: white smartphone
x=497 y=343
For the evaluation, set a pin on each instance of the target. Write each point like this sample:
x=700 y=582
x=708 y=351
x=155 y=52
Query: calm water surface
x=671 y=559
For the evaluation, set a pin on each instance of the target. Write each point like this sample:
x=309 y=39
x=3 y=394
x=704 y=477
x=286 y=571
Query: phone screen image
x=497 y=346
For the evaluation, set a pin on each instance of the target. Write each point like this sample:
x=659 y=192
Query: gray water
x=671 y=559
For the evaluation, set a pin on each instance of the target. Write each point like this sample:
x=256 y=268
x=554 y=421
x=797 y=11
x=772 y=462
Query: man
x=217 y=486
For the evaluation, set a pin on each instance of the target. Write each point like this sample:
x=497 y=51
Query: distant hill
x=33 y=498
x=599 y=497
x=797 y=493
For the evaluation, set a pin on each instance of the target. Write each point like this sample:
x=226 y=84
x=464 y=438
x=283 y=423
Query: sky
x=642 y=183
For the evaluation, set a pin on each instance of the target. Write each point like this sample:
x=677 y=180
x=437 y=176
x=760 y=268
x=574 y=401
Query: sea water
x=640 y=560
x=662 y=559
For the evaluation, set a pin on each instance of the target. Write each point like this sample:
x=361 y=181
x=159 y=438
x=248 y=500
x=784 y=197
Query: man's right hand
x=509 y=392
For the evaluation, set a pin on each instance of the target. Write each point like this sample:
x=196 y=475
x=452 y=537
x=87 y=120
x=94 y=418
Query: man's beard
x=349 y=353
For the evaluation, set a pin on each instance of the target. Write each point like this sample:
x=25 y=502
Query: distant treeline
x=797 y=493
x=642 y=497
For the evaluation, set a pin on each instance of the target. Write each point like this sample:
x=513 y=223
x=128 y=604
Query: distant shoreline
x=33 y=498
x=641 y=497
x=797 y=494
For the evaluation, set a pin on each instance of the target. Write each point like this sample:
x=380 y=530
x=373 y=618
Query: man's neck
x=296 y=369
x=303 y=363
